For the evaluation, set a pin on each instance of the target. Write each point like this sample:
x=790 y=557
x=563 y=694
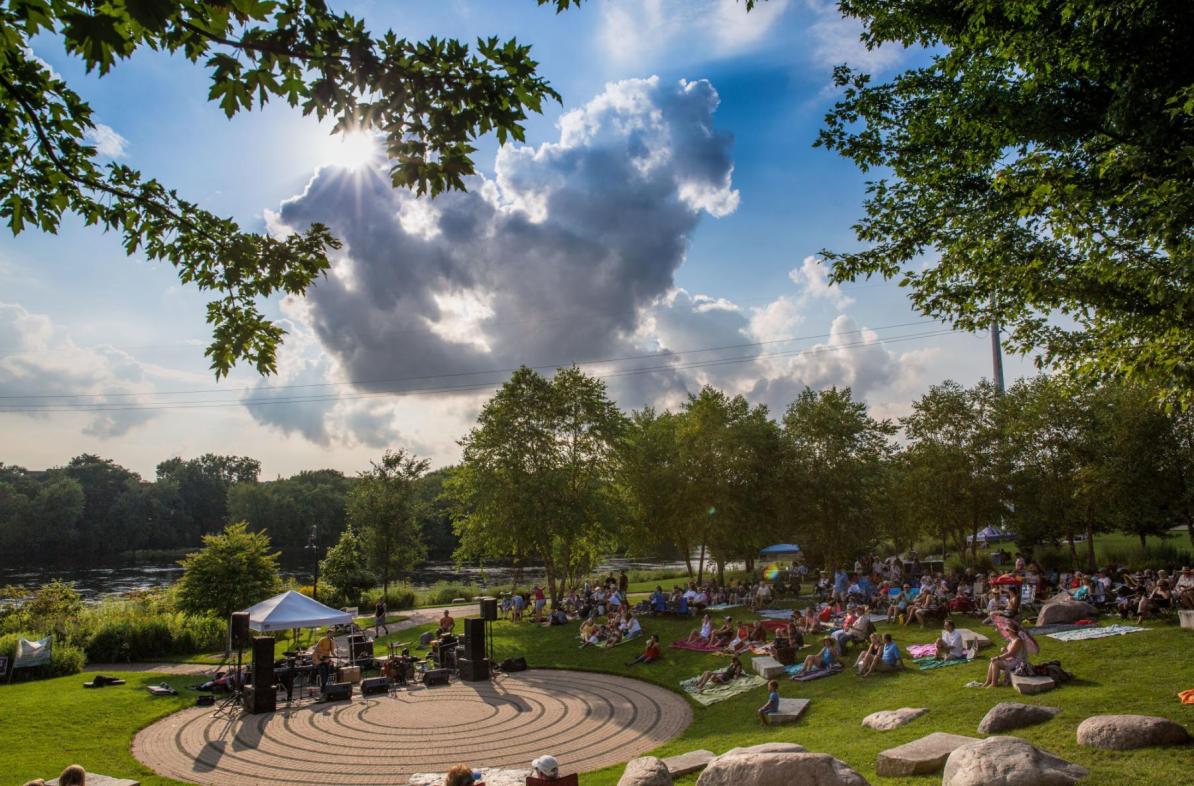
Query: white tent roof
x=293 y=610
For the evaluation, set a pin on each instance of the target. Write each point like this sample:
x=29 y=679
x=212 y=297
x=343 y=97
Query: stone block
x=686 y=763
x=886 y=720
x=920 y=757
x=789 y=711
x=1030 y=686
x=102 y=780
x=1185 y=618
x=981 y=641
x=1008 y=715
x=767 y=667
x=1128 y=732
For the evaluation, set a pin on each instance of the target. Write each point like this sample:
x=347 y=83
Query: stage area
x=587 y=721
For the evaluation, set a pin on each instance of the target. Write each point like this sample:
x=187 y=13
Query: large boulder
x=886 y=720
x=1125 y=732
x=645 y=771
x=766 y=747
x=1009 y=715
x=1061 y=609
x=1007 y=761
x=779 y=769
x=685 y=763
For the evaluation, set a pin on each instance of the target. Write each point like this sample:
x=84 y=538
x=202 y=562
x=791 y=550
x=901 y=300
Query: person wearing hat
x=322 y=654
x=545 y=767
x=1183 y=588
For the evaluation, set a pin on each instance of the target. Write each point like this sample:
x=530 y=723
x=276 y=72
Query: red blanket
x=695 y=646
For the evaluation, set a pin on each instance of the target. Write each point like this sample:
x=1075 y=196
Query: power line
x=450 y=375
x=153 y=406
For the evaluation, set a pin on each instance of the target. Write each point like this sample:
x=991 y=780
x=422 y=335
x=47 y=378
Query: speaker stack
x=263 y=697
x=489 y=609
x=474 y=666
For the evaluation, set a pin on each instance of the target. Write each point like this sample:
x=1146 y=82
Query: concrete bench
x=101 y=780
x=767 y=667
x=920 y=757
x=981 y=641
x=1030 y=686
x=1185 y=618
x=687 y=763
x=789 y=710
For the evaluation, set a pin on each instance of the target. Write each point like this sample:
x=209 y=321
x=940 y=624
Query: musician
x=322 y=654
x=446 y=623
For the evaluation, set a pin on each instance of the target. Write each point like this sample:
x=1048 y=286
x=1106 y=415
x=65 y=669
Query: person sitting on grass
x=724 y=634
x=650 y=652
x=772 y=704
x=588 y=629
x=613 y=635
x=889 y=660
x=558 y=616
x=703 y=634
x=825 y=659
x=721 y=676
x=950 y=645
x=630 y=625
x=870 y=652
x=1159 y=598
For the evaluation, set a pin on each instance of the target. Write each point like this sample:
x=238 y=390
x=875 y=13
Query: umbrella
x=1005 y=580
x=1009 y=629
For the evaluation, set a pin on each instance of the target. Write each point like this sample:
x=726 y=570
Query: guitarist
x=322 y=654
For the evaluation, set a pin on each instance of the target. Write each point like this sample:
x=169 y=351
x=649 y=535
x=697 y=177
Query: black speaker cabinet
x=474 y=670
x=437 y=677
x=375 y=685
x=474 y=632
x=362 y=647
x=489 y=609
x=337 y=691
x=239 y=625
x=260 y=697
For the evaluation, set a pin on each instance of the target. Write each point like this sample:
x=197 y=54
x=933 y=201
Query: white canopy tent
x=292 y=610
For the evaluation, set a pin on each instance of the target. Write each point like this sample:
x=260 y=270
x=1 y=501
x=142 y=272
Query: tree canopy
x=430 y=100
x=235 y=569
x=1040 y=163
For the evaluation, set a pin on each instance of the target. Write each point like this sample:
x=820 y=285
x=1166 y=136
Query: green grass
x=60 y=723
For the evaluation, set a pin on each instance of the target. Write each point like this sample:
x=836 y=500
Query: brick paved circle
x=587 y=721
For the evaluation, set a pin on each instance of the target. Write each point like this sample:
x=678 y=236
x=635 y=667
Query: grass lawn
x=56 y=722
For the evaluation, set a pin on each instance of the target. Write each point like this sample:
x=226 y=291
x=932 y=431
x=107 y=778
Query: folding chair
x=563 y=780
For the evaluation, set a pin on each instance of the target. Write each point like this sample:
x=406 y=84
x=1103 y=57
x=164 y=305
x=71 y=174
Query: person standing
x=322 y=654
x=379 y=616
x=623 y=582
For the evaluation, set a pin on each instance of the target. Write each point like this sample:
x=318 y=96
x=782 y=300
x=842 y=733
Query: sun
x=354 y=150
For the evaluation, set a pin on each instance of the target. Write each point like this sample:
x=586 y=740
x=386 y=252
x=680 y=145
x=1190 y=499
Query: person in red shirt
x=650 y=654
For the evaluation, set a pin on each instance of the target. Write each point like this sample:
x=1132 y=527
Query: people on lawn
x=772 y=705
x=825 y=659
x=1012 y=659
x=650 y=653
x=950 y=645
x=703 y=634
x=721 y=676
x=889 y=659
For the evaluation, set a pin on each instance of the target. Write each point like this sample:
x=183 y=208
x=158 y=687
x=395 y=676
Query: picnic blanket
x=1045 y=630
x=917 y=651
x=711 y=694
x=776 y=614
x=723 y=606
x=695 y=646
x=32 y=653
x=876 y=617
x=928 y=664
x=1186 y=696
x=796 y=672
x=774 y=625
x=1094 y=633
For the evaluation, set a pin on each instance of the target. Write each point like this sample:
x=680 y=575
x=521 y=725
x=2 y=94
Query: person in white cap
x=545 y=767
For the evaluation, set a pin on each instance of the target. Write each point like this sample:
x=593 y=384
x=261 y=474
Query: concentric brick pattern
x=587 y=721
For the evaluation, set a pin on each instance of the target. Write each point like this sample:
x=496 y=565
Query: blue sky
x=77 y=317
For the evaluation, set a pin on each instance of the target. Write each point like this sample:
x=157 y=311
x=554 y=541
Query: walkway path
x=587 y=721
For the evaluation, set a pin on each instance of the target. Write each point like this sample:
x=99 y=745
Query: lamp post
x=313 y=547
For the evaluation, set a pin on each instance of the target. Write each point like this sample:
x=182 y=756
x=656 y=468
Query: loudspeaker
x=239 y=625
x=474 y=632
x=263 y=675
x=436 y=677
x=474 y=670
x=514 y=664
x=337 y=691
x=375 y=685
x=261 y=697
x=489 y=609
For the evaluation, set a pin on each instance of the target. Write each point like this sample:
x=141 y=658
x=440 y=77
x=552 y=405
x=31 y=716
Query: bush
x=64 y=658
x=395 y=599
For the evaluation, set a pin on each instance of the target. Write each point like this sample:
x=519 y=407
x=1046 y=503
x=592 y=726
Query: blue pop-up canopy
x=780 y=549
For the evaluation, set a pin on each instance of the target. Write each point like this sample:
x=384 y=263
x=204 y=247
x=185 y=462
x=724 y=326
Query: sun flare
x=354 y=150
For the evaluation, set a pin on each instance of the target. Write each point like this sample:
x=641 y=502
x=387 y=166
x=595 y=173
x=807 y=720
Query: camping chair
x=563 y=780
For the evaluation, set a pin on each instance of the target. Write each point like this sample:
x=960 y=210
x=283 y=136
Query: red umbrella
x=1009 y=629
x=1006 y=579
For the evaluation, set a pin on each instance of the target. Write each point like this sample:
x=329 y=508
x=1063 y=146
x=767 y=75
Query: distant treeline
x=92 y=508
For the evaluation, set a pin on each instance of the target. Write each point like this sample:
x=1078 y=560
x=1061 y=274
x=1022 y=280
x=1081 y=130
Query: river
x=96 y=582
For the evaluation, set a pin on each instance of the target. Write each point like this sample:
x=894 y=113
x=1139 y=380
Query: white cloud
x=107 y=141
x=835 y=39
x=813 y=278
x=645 y=32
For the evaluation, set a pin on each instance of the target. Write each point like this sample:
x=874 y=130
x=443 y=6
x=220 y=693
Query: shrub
x=395 y=599
x=64 y=658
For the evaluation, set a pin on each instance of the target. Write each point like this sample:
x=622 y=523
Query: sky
x=661 y=227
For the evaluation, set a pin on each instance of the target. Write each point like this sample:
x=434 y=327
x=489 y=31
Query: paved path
x=587 y=721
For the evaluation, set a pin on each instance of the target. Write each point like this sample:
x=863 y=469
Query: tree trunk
x=750 y=564
x=1143 y=542
x=1073 y=550
x=1090 y=551
x=721 y=571
x=701 y=565
x=1190 y=525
